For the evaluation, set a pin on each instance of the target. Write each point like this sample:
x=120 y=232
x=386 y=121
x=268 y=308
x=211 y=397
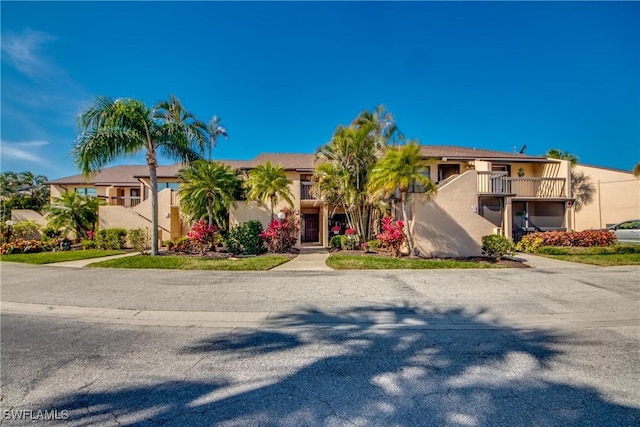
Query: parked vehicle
x=627 y=231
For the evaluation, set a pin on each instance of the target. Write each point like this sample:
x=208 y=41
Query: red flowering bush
x=350 y=231
x=392 y=235
x=587 y=238
x=285 y=231
x=202 y=235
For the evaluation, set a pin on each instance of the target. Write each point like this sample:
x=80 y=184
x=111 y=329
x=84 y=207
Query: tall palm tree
x=215 y=130
x=341 y=175
x=400 y=169
x=211 y=184
x=381 y=127
x=269 y=183
x=73 y=212
x=113 y=129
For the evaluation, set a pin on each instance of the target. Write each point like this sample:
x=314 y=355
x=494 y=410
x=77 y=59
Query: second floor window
x=87 y=192
x=172 y=185
x=417 y=187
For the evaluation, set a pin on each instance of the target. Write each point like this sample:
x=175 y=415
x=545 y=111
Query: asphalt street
x=544 y=346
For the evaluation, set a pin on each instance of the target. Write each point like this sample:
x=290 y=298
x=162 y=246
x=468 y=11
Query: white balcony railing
x=498 y=183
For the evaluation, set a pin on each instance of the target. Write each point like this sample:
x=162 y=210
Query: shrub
x=22 y=246
x=496 y=246
x=336 y=242
x=168 y=244
x=140 y=240
x=529 y=243
x=26 y=230
x=392 y=235
x=245 y=239
x=183 y=244
x=286 y=232
x=88 y=244
x=202 y=236
x=111 y=238
x=371 y=245
x=587 y=238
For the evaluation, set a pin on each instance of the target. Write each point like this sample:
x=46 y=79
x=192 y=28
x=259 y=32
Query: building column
x=507 y=220
x=324 y=226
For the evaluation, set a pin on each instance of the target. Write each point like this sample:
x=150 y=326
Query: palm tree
x=381 y=127
x=400 y=169
x=554 y=153
x=113 y=129
x=268 y=182
x=206 y=188
x=582 y=189
x=342 y=172
x=73 y=212
x=215 y=129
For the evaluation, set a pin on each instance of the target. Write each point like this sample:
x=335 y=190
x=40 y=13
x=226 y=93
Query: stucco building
x=479 y=192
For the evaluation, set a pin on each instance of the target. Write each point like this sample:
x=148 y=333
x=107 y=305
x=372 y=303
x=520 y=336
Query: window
x=416 y=187
x=87 y=192
x=172 y=185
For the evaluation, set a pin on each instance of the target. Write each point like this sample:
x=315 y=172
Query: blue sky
x=283 y=75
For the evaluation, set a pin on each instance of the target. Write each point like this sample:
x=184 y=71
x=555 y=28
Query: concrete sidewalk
x=79 y=263
x=311 y=258
x=535 y=261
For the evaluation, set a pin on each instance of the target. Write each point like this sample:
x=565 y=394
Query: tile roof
x=128 y=175
x=471 y=153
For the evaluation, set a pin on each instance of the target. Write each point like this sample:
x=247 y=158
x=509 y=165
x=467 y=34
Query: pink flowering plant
x=285 y=231
x=350 y=231
x=202 y=236
x=392 y=235
x=335 y=229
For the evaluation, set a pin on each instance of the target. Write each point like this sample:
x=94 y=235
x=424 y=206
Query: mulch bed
x=222 y=255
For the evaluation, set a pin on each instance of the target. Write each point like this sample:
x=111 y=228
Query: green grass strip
x=260 y=263
x=372 y=262
x=51 y=257
x=611 y=260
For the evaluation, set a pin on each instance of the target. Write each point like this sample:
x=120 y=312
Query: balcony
x=306 y=192
x=127 y=202
x=498 y=183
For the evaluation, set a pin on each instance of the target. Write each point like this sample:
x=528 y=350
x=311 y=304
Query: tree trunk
x=272 y=203
x=407 y=230
x=210 y=210
x=151 y=161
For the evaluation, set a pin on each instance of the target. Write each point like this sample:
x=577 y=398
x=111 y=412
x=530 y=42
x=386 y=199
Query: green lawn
x=603 y=256
x=51 y=257
x=373 y=262
x=265 y=262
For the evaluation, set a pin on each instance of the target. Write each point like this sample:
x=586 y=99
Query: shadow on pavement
x=360 y=373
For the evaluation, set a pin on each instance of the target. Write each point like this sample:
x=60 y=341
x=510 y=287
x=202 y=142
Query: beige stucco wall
x=448 y=224
x=616 y=198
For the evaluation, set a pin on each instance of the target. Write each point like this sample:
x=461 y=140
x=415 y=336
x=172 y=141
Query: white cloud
x=24 y=151
x=23 y=51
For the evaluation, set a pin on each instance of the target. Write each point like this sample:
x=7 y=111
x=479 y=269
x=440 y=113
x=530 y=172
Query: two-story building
x=479 y=192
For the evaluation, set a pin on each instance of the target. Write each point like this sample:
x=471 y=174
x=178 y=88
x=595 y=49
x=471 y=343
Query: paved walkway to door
x=311 y=258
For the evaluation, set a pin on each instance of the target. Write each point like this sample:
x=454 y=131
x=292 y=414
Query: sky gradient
x=283 y=75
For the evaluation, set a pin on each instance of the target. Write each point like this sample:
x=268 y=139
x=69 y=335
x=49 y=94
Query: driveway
x=545 y=346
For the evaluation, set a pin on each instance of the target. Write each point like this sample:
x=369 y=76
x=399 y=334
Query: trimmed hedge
x=588 y=238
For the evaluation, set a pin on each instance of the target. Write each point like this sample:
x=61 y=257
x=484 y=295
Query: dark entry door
x=310 y=228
